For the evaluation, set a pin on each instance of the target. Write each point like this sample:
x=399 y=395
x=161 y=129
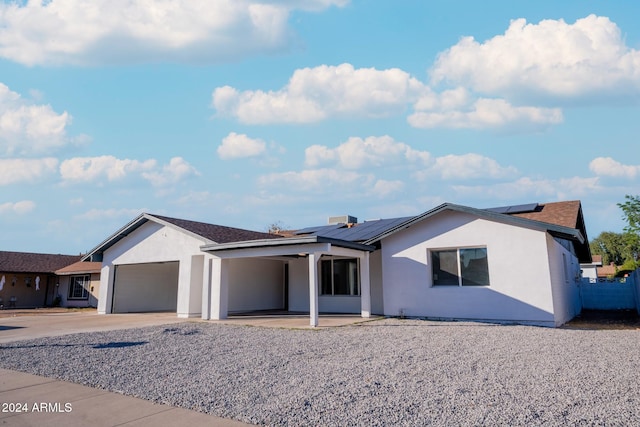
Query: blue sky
x=246 y=113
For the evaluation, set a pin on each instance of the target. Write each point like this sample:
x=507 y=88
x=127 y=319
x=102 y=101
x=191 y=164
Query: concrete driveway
x=43 y=324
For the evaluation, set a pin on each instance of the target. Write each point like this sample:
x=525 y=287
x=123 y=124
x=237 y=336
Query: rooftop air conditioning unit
x=343 y=219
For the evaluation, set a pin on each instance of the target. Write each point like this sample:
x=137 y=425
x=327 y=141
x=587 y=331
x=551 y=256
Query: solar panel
x=529 y=207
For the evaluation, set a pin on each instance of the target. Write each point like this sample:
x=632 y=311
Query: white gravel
x=381 y=373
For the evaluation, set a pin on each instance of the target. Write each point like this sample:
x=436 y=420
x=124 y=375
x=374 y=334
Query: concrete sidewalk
x=49 y=402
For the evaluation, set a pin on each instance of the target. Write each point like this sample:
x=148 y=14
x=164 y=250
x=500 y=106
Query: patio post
x=219 y=288
x=313 y=288
x=365 y=286
x=206 y=289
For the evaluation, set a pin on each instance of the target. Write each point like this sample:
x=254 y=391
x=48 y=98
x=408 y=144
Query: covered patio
x=302 y=277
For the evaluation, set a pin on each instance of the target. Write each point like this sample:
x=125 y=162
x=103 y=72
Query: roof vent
x=343 y=219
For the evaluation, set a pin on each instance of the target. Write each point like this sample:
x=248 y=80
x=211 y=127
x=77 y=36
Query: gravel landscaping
x=385 y=372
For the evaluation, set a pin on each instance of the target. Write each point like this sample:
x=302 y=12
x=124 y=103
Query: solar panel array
x=356 y=233
x=529 y=207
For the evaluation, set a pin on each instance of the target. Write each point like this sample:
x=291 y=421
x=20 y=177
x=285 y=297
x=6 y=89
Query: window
x=79 y=287
x=460 y=267
x=339 y=277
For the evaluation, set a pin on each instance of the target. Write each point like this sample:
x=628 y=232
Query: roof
x=80 y=267
x=211 y=233
x=566 y=214
x=217 y=233
x=286 y=241
x=554 y=218
x=26 y=262
x=358 y=232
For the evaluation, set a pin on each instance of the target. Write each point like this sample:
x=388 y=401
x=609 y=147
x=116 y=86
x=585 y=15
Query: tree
x=631 y=210
x=611 y=246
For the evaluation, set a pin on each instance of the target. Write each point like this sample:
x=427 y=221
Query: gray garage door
x=146 y=287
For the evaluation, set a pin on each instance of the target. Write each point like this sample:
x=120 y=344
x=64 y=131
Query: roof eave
x=286 y=241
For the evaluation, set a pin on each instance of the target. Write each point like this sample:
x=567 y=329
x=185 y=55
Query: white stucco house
x=513 y=264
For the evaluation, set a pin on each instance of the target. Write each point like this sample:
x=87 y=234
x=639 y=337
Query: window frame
x=459 y=270
x=85 y=287
x=332 y=259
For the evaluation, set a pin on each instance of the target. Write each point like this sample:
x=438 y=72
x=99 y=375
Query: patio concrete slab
x=42 y=401
x=294 y=321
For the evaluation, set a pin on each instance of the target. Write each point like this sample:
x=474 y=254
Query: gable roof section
x=217 y=233
x=211 y=233
x=535 y=221
x=26 y=262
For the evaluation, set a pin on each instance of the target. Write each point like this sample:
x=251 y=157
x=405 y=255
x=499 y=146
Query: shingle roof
x=80 y=267
x=26 y=262
x=566 y=214
x=217 y=233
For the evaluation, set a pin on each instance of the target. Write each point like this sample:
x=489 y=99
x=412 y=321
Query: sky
x=250 y=113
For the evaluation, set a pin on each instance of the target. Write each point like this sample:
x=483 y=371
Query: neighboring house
x=78 y=284
x=512 y=264
x=590 y=270
x=607 y=271
x=28 y=279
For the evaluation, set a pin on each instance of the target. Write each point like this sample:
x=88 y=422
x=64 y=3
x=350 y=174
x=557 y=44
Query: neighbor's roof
x=27 y=262
x=211 y=233
x=80 y=267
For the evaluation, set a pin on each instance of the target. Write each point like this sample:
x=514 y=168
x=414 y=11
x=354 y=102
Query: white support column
x=105 y=298
x=184 y=290
x=313 y=289
x=219 y=288
x=206 y=290
x=365 y=286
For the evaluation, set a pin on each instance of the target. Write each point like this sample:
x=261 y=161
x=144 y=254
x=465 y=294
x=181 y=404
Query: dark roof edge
x=560 y=231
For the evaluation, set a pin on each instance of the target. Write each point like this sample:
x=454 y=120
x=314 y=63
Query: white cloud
x=487 y=113
x=26 y=128
x=177 y=170
x=383 y=188
x=236 y=146
x=552 y=57
x=314 y=94
x=87 y=169
x=22 y=207
x=116 y=31
x=26 y=170
x=318 y=180
x=108 y=214
x=467 y=166
x=606 y=166
x=549 y=189
x=357 y=153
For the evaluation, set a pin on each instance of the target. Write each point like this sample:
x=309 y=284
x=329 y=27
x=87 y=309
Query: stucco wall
x=519 y=290
x=255 y=284
x=94 y=291
x=22 y=286
x=299 y=293
x=564 y=270
x=299 y=285
x=153 y=242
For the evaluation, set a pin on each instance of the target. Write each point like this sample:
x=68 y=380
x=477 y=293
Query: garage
x=146 y=287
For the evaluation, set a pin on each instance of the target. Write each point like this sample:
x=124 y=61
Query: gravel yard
x=385 y=372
